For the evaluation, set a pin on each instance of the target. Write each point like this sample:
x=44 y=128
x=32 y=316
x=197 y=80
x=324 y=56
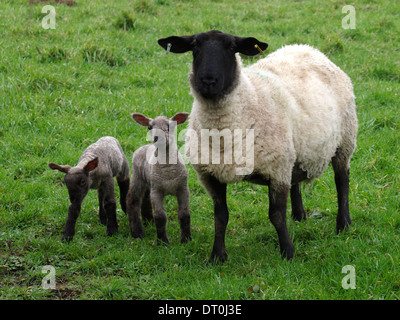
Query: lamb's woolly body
x=158 y=170
x=300 y=105
x=170 y=178
x=112 y=161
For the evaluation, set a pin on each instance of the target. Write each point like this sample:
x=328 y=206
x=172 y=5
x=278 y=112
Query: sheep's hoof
x=341 y=225
x=218 y=258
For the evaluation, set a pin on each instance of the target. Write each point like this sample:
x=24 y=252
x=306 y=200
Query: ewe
x=300 y=106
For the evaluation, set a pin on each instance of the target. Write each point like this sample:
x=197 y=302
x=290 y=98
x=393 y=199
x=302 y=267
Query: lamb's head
x=162 y=129
x=76 y=179
x=214 y=62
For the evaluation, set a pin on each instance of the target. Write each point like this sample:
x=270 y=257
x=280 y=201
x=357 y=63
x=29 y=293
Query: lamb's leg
x=146 y=208
x=73 y=212
x=277 y=213
x=102 y=213
x=217 y=191
x=184 y=214
x=160 y=216
x=133 y=204
x=123 y=191
x=342 y=177
x=298 y=212
x=110 y=206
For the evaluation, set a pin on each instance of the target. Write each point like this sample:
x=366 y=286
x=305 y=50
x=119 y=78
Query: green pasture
x=62 y=89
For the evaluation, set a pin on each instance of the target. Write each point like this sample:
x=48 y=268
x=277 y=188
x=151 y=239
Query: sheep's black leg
x=342 y=178
x=277 y=214
x=217 y=191
x=184 y=214
x=146 y=208
x=73 y=213
x=298 y=212
x=133 y=204
x=123 y=191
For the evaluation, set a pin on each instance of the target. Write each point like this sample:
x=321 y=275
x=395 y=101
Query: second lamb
x=158 y=170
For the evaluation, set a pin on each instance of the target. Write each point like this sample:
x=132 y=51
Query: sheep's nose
x=209 y=81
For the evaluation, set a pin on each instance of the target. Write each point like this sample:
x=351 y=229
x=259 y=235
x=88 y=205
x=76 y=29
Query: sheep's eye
x=83 y=182
x=150 y=127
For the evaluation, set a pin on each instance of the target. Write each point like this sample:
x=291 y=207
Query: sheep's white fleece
x=301 y=107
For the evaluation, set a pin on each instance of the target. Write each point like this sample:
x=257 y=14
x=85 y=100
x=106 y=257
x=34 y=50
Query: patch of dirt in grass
x=69 y=3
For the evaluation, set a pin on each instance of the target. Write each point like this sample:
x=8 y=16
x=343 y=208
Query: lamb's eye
x=83 y=182
x=150 y=127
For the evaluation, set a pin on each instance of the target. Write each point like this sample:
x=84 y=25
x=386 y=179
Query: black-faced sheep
x=157 y=171
x=302 y=110
x=96 y=169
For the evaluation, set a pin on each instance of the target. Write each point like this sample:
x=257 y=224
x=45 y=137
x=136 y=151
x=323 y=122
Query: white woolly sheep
x=96 y=168
x=302 y=110
x=157 y=171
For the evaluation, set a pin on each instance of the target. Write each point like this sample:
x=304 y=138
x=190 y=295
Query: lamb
x=297 y=103
x=158 y=170
x=96 y=168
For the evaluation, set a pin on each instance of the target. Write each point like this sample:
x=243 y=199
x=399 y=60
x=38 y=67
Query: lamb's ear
x=177 y=44
x=91 y=165
x=63 y=169
x=141 y=119
x=180 y=117
x=249 y=46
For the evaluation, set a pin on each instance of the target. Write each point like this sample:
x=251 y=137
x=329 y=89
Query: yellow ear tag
x=258 y=48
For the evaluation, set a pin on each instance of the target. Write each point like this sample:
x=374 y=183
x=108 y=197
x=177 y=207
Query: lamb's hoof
x=186 y=238
x=299 y=216
x=162 y=241
x=112 y=230
x=67 y=238
x=137 y=235
x=288 y=252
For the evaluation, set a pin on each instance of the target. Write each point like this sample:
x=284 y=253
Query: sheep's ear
x=180 y=117
x=249 y=46
x=91 y=165
x=141 y=119
x=63 y=169
x=177 y=44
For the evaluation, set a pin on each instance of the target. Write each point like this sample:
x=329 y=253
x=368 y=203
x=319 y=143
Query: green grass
x=62 y=89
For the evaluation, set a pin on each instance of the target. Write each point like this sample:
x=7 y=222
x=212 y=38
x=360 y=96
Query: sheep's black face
x=214 y=65
x=214 y=61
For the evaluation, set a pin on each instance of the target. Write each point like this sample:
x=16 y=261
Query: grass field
x=62 y=89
